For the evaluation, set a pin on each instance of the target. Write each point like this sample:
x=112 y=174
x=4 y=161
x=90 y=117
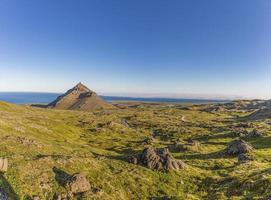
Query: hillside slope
x=36 y=141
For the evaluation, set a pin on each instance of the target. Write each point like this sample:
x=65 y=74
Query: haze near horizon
x=162 y=48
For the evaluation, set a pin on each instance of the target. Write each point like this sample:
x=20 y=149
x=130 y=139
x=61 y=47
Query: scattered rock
x=45 y=185
x=240 y=131
x=254 y=133
x=3 y=195
x=77 y=184
x=183 y=119
x=190 y=145
x=61 y=196
x=160 y=160
x=214 y=109
x=22 y=140
x=149 y=140
x=35 y=198
x=193 y=142
x=216 y=167
x=244 y=125
x=238 y=146
x=3 y=164
x=125 y=123
x=99 y=157
x=132 y=159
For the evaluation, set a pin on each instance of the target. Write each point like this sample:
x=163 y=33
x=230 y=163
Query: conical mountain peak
x=80 y=97
x=81 y=87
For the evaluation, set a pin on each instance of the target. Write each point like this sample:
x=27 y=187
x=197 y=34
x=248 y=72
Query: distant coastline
x=43 y=98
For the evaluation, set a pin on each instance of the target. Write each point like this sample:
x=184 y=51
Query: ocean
x=44 y=98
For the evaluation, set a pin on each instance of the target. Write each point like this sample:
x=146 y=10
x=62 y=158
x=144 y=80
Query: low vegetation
x=44 y=146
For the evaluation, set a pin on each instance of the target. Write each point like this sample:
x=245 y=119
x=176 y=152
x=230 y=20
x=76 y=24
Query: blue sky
x=137 y=47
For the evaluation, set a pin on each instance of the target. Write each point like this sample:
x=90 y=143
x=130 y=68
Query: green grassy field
x=96 y=144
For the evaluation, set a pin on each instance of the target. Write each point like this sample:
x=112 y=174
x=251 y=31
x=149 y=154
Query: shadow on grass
x=216 y=143
x=39 y=105
x=214 y=136
x=124 y=151
x=214 y=186
x=163 y=198
x=261 y=143
x=7 y=188
x=213 y=155
x=60 y=176
x=41 y=156
x=101 y=156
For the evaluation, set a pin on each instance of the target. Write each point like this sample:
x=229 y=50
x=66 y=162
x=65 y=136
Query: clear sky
x=162 y=47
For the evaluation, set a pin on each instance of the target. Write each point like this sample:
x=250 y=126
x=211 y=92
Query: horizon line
x=157 y=95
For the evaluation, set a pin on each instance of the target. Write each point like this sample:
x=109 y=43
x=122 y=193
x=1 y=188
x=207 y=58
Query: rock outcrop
x=77 y=184
x=238 y=146
x=157 y=159
x=79 y=98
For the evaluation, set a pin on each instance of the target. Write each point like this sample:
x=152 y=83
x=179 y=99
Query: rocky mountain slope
x=79 y=98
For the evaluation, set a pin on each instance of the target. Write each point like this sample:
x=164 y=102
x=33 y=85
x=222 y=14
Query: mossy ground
x=36 y=140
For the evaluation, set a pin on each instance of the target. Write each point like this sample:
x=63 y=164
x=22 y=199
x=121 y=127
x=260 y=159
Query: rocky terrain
x=135 y=151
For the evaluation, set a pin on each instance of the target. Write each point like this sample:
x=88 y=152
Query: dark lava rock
x=3 y=195
x=242 y=158
x=160 y=160
x=240 y=131
x=132 y=159
x=238 y=146
x=254 y=133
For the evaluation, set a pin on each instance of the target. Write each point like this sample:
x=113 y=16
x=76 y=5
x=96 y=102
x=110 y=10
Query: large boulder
x=238 y=146
x=77 y=183
x=159 y=159
x=254 y=133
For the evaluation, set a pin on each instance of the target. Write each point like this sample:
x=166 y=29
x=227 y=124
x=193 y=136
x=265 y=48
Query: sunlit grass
x=36 y=140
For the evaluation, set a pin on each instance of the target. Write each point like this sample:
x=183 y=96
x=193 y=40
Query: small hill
x=263 y=112
x=79 y=98
x=259 y=114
